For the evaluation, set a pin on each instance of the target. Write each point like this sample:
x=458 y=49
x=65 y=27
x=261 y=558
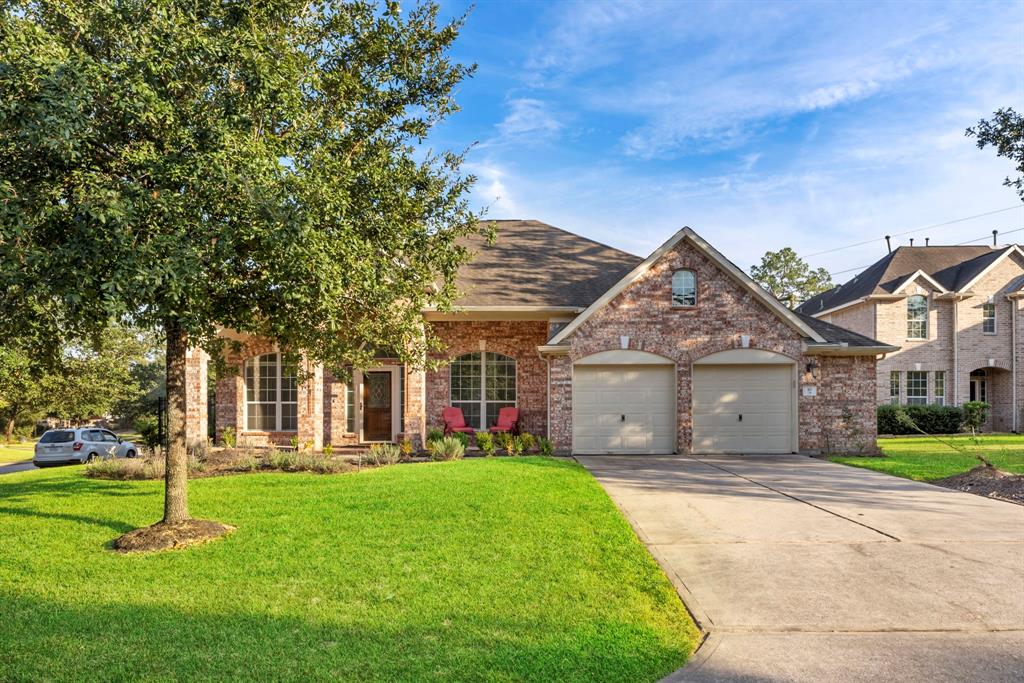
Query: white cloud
x=491 y=191
x=528 y=117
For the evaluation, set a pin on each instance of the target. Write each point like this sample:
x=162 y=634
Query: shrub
x=485 y=442
x=246 y=463
x=462 y=438
x=383 y=454
x=514 y=446
x=975 y=414
x=528 y=440
x=930 y=419
x=406 y=448
x=545 y=447
x=126 y=469
x=281 y=460
x=435 y=434
x=227 y=436
x=447 y=448
x=294 y=441
x=328 y=450
x=149 y=429
x=503 y=440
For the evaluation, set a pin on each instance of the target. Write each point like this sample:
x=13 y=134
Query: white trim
x=710 y=252
x=828 y=311
x=920 y=273
x=744 y=357
x=396 y=408
x=995 y=319
x=1009 y=250
x=624 y=357
x=554 y=349
x=277 y=403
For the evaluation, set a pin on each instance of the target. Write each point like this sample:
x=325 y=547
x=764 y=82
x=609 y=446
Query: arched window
x=917 y=317
x=271 y=395
x=482 y=383
x=684 y=288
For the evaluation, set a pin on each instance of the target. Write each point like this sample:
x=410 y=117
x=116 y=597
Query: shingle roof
x=535 y=264
x=950 y=266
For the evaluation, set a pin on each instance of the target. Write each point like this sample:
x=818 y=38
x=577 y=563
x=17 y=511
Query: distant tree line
x=119 y=375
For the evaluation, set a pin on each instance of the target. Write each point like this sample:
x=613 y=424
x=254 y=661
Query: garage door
x=743 y=409
x=623 y=409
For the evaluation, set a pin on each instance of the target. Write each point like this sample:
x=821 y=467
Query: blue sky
x=760 y=125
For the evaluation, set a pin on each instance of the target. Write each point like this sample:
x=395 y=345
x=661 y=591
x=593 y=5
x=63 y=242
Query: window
x=350 y=408
x=271 y=395
x=483 y=383
x=684 y=288
x=940 y=388
x=894 y=387
x=917 y=317
x=917 y=388
x=988 y=318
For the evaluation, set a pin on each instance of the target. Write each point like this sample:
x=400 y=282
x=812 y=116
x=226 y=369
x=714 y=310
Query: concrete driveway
x=804 y=570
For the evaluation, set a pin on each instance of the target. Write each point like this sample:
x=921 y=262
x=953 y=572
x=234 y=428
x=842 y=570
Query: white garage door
x=743 y=409
x=624 y=409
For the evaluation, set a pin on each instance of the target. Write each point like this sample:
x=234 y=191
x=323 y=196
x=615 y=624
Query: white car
x=60 y=446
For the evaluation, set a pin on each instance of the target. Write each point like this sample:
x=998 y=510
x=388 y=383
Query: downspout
x=956 y=352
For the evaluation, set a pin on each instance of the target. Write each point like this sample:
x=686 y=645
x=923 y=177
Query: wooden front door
x=377 y=406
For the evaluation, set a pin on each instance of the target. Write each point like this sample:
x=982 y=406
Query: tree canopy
x=789 y=277
x=184 y=166
x=1005 y=132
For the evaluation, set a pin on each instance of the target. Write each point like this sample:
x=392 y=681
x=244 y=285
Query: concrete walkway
x=804 y=570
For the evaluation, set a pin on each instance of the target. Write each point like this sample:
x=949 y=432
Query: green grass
x=16 y=452
x=925 y=459
x=500 y=570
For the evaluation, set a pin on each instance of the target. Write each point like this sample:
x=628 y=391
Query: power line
x=959 y=244
x=909 y=232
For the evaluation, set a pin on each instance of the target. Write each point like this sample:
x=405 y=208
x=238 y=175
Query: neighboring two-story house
x=957 y=314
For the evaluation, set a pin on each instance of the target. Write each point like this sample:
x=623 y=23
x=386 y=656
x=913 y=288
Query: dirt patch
x=988 y=481
x=163 y=536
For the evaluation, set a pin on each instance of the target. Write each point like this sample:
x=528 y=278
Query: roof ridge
x=571 y=233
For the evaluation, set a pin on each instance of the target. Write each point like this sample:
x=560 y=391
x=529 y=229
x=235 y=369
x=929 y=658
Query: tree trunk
x=176 y=489
x=9 y=432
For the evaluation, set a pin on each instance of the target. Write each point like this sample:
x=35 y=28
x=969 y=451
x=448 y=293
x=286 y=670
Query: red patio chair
x=455 y=421
x=508 y=421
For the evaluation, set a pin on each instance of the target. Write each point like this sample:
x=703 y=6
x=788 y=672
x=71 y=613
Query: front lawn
x=503 y=569
x=925 y=459
x=16 y=452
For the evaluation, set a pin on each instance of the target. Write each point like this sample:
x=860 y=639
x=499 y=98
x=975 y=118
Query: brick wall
x=515 y=338
x=724 y=313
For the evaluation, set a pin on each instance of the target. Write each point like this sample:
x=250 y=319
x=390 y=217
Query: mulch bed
x=987 y=481
x=163 y=536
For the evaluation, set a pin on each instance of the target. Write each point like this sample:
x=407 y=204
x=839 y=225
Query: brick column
x=560 y=402
x=311 y=407
x=414 y=418
x=230 y=404
x=196 y=403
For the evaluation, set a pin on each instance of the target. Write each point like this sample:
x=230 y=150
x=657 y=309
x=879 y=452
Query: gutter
x=1014 y=352
x=554 y=349
x=844 y=349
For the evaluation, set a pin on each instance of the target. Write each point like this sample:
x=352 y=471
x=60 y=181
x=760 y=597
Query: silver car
x=60 y=446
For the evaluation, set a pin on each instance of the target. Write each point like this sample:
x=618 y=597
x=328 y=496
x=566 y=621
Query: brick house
x=602 y=351
x=955 y=311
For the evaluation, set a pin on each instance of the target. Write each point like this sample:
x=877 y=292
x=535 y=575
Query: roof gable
x=702 y=246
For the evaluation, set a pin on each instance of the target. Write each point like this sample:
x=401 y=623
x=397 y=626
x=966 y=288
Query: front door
x=979 y=390
x=377 y=406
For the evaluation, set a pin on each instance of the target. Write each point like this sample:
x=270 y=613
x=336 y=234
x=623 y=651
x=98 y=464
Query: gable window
x=684 y=288
x=271 y=394
x=894 y=387
x=940 y=388
x=988 y=318
x=483 y=383
x=917 y=317
x=917 y=388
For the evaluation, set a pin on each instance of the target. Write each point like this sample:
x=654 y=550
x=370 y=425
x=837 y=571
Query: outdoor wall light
x=812 y=369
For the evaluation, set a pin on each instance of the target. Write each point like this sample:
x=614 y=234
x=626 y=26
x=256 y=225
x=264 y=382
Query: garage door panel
x=645 y=395
x=762 y=394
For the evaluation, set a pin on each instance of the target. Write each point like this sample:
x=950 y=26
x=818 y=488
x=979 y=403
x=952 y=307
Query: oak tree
x=260 y=166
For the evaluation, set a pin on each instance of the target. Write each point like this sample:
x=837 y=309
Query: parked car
x=61 y=446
